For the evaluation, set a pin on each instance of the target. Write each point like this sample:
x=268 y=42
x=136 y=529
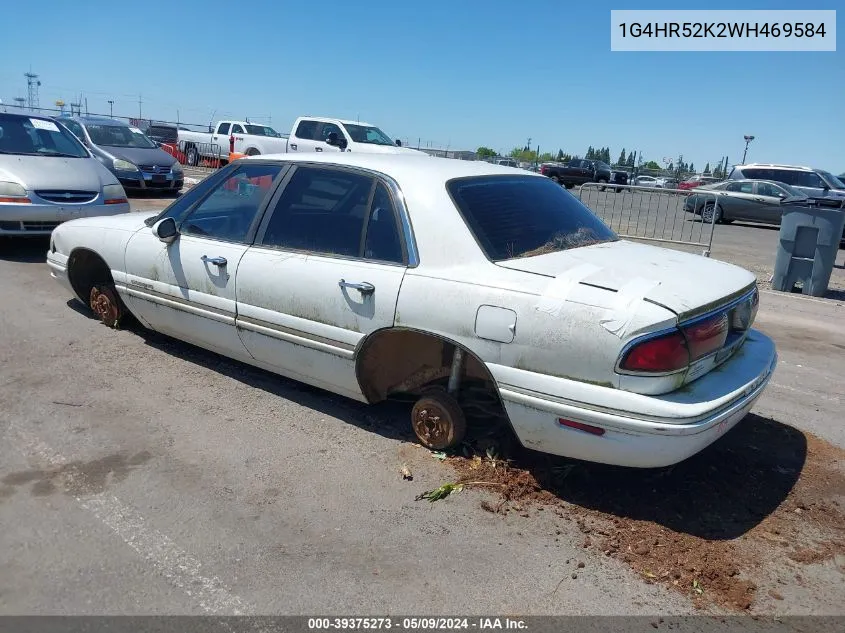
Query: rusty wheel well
x=86 y=269
x=402 y=361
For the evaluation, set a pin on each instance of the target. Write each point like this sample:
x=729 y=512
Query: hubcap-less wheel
x=708 y=213
x=438 y=421
x=192 y=157
x=602 y=181
x=106 y=305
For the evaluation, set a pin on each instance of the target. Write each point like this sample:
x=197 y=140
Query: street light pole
x=748 y=139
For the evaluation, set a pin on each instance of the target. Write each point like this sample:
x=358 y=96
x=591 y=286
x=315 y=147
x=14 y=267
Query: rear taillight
x=543 y=169
x=705 y=337
x=662 y=354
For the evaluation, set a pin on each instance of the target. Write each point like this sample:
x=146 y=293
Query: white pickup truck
x=308 y=134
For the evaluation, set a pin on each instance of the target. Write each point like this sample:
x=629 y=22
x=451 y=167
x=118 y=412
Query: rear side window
x=223 y=129
x=307 y=130
x=513 y=217
x=755 y=173
x=321 y=211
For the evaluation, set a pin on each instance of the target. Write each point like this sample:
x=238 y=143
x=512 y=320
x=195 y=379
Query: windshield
x=833 y=181
x=28 y=136
x=524 y=216
x=368 y=134
x=118 y=136
x=261 y=130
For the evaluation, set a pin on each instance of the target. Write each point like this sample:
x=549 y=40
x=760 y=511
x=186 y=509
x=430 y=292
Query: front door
x=324 y=273
x=325 y=130
x=186 y=289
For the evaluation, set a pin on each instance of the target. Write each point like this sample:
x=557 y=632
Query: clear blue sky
x=458 y=72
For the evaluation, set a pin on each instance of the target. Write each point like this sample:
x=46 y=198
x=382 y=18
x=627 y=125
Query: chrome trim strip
x=208 y=312
x=296 y=337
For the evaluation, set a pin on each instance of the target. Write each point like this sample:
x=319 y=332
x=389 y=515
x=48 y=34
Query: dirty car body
x=463 y=282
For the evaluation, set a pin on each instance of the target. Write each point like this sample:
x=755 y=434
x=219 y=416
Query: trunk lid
x=684 y=283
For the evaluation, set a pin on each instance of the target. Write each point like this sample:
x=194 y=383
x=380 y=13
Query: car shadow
x=26 y=250
x=755 y=225
x=719 y=494
x=390 y=419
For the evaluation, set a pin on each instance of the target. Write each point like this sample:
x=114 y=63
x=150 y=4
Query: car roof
x=775 y=166
x=422 y=180
x=95 y=120
x=328 y=119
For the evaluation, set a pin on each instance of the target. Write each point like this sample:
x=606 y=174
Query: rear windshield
x=25 y=136
x=523 y=216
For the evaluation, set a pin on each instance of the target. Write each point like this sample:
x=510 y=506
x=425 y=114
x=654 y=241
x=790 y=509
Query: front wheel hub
x=105 y=304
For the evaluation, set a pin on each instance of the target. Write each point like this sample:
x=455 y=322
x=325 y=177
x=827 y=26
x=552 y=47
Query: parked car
x=158 y=132
x=577 y=171
x=697 y=181
x=650 y=181
x=47 y=177
x=750 y=200
x=461 y=284
x=308 y=135
x=136 y=161
x=506 y=162
x=816 y=183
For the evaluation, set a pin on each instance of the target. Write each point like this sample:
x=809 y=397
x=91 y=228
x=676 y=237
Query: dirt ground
x=722 y=528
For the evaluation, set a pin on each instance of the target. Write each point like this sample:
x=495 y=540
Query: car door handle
x=217 y=261
x=365 y=288
x=319 y=149
x=293 y=145
x=759 y=199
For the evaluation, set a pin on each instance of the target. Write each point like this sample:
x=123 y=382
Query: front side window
x=768 y=189
x=118 y=136
x=832 y=181
x=524 y=216
x=800 y=178
x=329 y=128
x=74 y=127
x=321 y=211
x=237 y=129
x=33 y=136
x=261 y=130
x=231 y=208
x=367 y=134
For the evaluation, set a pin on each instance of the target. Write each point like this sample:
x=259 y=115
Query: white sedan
x=466 y=286
x=650 y=181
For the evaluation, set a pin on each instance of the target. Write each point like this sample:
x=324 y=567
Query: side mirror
x=336 y=141
x=165 y=230
x=398 y=143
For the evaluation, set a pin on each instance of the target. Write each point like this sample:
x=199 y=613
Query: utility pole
x=140 y=116
x=748 y=139
x=111 y=107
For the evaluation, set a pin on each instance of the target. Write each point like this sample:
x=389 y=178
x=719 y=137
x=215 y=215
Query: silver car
x=47 y=176
x=749 y=200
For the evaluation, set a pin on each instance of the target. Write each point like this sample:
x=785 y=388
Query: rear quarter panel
x=567 y=341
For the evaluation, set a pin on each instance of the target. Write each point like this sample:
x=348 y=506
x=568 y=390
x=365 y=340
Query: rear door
x=304 y=138
x=187 y=288
x=324 y=273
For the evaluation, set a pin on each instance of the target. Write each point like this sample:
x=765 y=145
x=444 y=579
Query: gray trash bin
x=810 y=232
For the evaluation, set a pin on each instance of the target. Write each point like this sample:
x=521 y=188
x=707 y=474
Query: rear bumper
x=41 y=219
x=648 y=431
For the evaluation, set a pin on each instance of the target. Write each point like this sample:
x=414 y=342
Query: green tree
x=651 y=165
x=691 y=167
x=630 y=161
x=622 y=158
x=605 y=157
x=707 y=168
x=485 y=152
x=671 y=167
x=589 y=154
x=560 y=155
x=546 y=157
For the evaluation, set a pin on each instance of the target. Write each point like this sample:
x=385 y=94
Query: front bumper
x=144 y=181
x=41 y=219
x=641 y=431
